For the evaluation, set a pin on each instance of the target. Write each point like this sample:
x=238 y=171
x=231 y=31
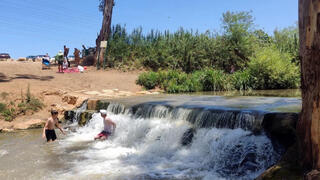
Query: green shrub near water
x=242 y=80
x=173 y=81
x=271 y=69
x=6 y=113
x=28 y=103
x=149 y=80
x=268 y=69
x=214 y=80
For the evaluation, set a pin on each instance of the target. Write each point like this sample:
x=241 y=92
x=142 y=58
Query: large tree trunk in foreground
x=106 y=28
x=309 y=123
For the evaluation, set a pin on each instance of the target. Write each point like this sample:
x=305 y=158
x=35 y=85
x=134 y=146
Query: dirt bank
x=60 y=91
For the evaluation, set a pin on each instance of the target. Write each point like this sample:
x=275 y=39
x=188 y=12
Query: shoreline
x=59 y=91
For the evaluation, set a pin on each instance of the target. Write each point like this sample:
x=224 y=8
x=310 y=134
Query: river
x=148 y=142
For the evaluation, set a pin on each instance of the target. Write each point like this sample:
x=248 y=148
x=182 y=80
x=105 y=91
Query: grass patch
x=27 y=103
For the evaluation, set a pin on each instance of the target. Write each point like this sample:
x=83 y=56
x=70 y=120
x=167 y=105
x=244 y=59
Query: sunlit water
x=140 y=149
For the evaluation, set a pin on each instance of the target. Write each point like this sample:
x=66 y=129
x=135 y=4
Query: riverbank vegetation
x=241 y=56
x=27 y=103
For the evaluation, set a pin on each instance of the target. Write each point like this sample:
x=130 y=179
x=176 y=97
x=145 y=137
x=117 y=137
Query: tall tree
x=106 y=6
x=308 y=127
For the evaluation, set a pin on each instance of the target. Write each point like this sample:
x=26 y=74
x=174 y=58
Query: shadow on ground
x=4 y=78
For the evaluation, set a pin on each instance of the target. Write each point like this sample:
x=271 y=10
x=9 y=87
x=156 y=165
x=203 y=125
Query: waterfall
x=80 y=110
x=200 y=117
x=147 y=145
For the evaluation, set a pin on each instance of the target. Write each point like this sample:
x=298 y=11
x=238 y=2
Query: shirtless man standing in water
x=109 y=127
x=48 y=130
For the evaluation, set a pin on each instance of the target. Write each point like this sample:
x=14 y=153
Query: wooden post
x=309 y=122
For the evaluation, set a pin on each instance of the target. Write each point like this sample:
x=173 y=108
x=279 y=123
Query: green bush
x=213 y=80
x=149 y=80
x=33 y=104
x=8 y=114
x=271 y=69
x=268 y=69
x=177 y=82
x=241 y=80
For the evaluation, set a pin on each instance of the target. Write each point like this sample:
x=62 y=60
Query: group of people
x=63 y=60
x=52 y=122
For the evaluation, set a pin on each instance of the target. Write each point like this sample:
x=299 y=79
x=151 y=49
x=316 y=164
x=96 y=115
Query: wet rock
x=102 y=104
x=69 y=115
x=85 y=117
x=288 y=168
x=281 y=127
x=187 y=137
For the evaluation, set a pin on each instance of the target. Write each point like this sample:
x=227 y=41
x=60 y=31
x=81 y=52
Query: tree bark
x=308 y=125
x=105 y=30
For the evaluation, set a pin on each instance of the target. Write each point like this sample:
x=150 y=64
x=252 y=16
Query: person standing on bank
x=65 y=54
x=109 y=127
x=48 y=129
x=59 y=58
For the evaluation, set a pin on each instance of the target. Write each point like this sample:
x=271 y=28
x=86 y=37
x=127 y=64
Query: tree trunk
x=308 y=125
x=105 y=30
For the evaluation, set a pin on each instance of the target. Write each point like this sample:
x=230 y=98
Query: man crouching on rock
x=48 y=129
x=109 y=127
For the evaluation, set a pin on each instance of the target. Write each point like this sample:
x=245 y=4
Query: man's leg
x=104 y=138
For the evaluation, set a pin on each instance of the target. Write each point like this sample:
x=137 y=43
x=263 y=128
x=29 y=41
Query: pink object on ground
x=71 y=70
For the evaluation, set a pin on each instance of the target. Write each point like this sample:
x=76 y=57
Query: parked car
x=41 y=56
x=33 y=58
x=4 y=56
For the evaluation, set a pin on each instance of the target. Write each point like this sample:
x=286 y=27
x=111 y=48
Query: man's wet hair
x=53 y=112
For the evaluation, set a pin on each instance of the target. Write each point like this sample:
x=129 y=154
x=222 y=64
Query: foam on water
x=151 y=149
x=3 y=152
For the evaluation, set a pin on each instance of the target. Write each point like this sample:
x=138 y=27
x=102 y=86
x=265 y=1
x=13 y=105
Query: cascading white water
x=150 y=148
x=80 y=110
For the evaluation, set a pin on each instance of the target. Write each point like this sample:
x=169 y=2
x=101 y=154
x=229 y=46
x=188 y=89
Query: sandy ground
x=15 y=77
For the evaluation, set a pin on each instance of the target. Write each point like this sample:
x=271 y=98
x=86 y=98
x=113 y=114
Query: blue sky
x=32 y=27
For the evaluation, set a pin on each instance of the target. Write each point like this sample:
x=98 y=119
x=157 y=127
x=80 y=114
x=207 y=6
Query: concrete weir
x=275 y=116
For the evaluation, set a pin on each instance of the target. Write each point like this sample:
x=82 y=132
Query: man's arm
x=44 y=130
x=59 y=127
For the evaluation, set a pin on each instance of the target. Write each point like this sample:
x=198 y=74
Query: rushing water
x=147 y=145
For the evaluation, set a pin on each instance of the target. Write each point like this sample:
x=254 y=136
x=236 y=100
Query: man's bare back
x=109 y=127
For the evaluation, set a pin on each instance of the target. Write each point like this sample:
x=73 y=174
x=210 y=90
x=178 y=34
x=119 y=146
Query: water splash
x=80 y=110
x=3 y=152
x=148 y=147
x=199 y=117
